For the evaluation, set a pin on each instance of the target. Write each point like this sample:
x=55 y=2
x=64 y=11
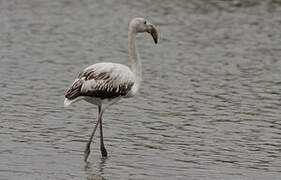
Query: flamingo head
x=140 y=25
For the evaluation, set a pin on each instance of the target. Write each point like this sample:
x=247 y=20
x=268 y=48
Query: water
x=208 y=108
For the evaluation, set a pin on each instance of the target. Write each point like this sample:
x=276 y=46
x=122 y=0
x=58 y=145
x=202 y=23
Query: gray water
x=208 y=108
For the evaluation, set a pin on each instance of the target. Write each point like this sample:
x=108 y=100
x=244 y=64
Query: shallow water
x=208 y=108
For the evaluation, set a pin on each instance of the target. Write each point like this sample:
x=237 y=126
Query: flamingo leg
x=102 y=147
x=87 y=149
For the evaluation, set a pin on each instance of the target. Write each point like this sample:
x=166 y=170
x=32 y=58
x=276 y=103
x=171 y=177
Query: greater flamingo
x=103 y=84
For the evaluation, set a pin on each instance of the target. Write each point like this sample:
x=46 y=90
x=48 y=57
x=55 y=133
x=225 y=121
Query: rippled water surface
x=208 y=108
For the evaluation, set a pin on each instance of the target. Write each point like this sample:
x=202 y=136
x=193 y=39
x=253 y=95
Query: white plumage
x=103 y=84
x=109 y=79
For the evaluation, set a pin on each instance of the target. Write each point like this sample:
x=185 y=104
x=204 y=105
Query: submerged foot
x=103 y=152
x=87 y=152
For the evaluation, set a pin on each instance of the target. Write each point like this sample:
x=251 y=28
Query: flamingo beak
x=152 y=30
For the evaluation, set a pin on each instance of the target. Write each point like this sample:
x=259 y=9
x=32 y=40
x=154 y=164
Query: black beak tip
x=155 y=41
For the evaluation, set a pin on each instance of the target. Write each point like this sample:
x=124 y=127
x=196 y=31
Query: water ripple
x=209 y=106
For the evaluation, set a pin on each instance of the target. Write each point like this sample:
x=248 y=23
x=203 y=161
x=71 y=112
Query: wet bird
x=104 y=84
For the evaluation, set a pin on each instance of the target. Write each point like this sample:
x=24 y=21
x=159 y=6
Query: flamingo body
x=101 y=83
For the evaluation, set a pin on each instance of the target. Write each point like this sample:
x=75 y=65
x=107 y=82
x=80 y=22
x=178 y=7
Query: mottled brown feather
x=98 y=91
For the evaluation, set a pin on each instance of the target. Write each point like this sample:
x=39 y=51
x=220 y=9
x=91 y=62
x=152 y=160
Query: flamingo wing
x=102 y=80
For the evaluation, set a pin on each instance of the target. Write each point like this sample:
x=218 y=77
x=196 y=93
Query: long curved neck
x=136 y=64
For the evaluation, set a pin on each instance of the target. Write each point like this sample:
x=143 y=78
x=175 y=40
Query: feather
x=102 y=80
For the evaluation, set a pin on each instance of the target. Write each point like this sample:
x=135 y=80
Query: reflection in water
x=95 y=178
x=209 y=107
x=89 y=168
x=102 y=164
